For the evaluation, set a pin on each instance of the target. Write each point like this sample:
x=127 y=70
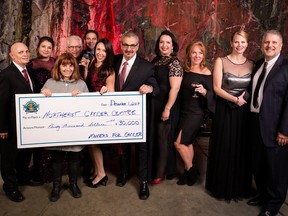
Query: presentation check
x=89 y=118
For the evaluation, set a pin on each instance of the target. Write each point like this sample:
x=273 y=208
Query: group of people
x=249 y=102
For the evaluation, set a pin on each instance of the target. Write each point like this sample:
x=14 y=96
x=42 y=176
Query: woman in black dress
x=165 y=106
x=228 y=174
x=196 y=96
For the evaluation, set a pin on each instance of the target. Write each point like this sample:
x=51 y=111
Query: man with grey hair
x=74 y=46
x=269 y=107
x=134 y=74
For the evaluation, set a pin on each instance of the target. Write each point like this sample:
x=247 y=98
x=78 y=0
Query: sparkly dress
x=94 y=81
x=41 y=71
x=229 y=161
x=162 y=151
x=41 y=157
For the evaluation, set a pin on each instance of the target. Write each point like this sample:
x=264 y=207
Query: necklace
x=66 y=82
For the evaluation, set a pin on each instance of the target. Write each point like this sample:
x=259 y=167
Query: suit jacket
x=142 y=72
x=11 y=82
x=273 y=115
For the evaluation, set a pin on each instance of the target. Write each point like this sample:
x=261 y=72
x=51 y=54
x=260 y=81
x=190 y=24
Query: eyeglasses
x=74 y=47
x=132 y=46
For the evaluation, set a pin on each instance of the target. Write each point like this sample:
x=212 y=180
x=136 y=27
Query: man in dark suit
x=269 y=109
x=15 y=79
x=134 y=74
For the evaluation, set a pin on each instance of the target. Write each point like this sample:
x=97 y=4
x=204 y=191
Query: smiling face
x=196 y=55
x=165 y=45
x=271 y=45
x=100 y=52
x=74 y=47
x=239 y=44
x=66 y=71
x=20 y=54
x=91 y=40
x=45 y=49
x=129 y=47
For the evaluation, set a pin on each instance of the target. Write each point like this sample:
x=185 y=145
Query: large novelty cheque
x=89 y=118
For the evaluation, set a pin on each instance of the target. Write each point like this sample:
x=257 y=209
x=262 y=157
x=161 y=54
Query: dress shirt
x=129 y=65
x=21 y=70
x=270 y=65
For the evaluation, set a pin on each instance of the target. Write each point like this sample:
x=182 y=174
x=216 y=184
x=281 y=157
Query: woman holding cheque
x=100 y=78
x=65 y=79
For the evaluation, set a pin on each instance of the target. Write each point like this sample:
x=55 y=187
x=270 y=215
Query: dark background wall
x=212 y=21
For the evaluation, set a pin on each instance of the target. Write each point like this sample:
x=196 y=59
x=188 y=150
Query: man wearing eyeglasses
x=134 y=74
x=74 y=46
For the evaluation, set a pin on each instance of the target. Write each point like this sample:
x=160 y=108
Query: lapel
x=20 y=78
x=117 y=67
x=132 y=72
x=274 y=70
x=258 y=65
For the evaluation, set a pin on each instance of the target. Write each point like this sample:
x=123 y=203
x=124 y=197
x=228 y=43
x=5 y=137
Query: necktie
x=122 y=75
x=26 y=76
x=259 y=82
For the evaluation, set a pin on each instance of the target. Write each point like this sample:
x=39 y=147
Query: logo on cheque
x=31 y=107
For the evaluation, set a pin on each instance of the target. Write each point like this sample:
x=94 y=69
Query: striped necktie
x=26 y=76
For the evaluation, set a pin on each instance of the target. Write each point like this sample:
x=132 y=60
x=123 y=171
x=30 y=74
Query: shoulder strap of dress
x=223 y=65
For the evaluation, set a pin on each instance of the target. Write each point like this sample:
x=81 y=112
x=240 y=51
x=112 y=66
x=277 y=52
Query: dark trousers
x=14 y=163
x=270 y=166
x=60 y=156
x=22 y=165
x=8 y=153
x=141 y=159
x=259 y=158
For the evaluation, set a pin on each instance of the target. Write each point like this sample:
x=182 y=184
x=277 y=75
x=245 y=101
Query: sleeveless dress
x=228 y=174
x=193 y=109
x=94 y=81
x=162 y=152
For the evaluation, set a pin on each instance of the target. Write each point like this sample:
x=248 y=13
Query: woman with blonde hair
x=228 y=169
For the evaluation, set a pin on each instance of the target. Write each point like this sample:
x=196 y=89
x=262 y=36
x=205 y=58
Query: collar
x=19 y=67
x=272 y=61
x=130 y=61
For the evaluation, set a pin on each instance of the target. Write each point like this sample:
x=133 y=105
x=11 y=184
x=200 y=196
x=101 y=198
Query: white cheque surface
x=90 y=118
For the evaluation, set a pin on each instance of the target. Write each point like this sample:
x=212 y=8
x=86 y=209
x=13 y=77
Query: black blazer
x=11 y=82
x=273 y=115
x=142 y=72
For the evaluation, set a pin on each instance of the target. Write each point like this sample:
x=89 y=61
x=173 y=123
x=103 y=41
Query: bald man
x=13 y=80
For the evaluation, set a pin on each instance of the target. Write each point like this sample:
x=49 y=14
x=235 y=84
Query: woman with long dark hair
x=165 y=106
x=100 y=78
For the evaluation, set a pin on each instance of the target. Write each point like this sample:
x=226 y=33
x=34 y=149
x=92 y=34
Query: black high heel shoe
x=103 y=182
x=88 y=180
